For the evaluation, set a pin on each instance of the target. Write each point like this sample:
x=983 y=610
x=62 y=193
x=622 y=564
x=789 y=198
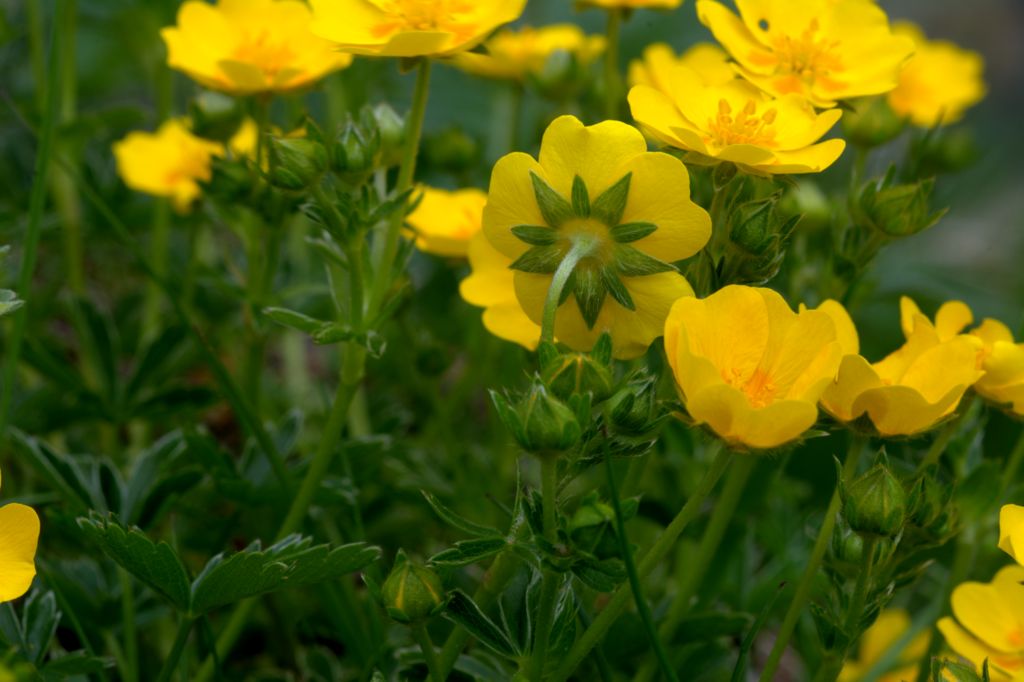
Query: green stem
x=180 y=640
x=582 y=247
x=158 y=246
x=131 y=641
x=617 y=604
x=419 y=632
x=612 y=77
x=803 y=589
x=384 y=265
x=830 y=668
x=37 y=202
x=938 y=445
x=1013 y=462
x=634 y=580
x=552 y=579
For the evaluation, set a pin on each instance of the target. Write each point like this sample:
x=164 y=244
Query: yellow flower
x=19 y=536
x=168 y=163
x=514 y=54
x=626 y=212
x=914 y=387
x=939 y=82
x=249 y=46
x=1011 y=531
x=736 y=122
x=826 y=50
x=491 y=286
x=989 y=622
x=632 y=4
x=748 y=366
x=887 y=629
x=410 y=28
x=658 y=65
x=445 y=221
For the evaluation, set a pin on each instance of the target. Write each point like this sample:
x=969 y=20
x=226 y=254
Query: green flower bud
x=806 y=199
x=412 y=593
x=633 y=409
x=392 y=134
x=451 y=150
x=297 y=162
x=752 y=227
x=848 y=552
x=215 y=116
x=875 y=504
x=567 y=374
x=540 y=423
x=872 y=123
x=946 y=151
x=356 y=149
x=898 y=210
x=927 y=499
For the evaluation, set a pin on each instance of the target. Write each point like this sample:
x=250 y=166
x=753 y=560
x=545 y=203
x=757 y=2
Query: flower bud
x=875 y=504
x=356 y=149
x=540 y=423
x=898 y=210
x=848 y=552
x=412 y=593
x=872 y=123
x=946 y=151
x=297 y=162
x=927 y=499
x=392 y=134
x=566 y=374
x=215 y=116
x=451 y=150
x=633 y=409
x=752 y=227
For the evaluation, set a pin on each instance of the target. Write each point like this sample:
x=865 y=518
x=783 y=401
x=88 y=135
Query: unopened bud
x=297 y=162
x=752 y=227
x=567 y=374
x=540 y=423
x=634 y=408
x=926 y=499
x=215 y=116
x=875 y=504
x=392 y=134
x=899 y=210
x=451 y=150
x=356 y=148
x=872 y=122
x=412 y=593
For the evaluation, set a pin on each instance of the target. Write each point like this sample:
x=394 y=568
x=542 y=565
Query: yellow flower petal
x=599 y=153
x=1011 y=531
x=729 y=414
x=19 y=536
x=511 y=202
x=445 y=221
x=993 y=612
x=855 y=377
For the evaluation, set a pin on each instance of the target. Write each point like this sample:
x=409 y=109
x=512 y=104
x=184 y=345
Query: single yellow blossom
x=596 y=192
x=914 y=387
x=168 y=163
x=938 y=83
x=736 y=122
x=245 y=47
x=748 y=366
x=632 y=4
x=410 y=28
x=19 y=536
x=444 y=221
x=659 y=62
x=513 y=54
x=491 y=286
x=887 y=629
x=825 y=50
x=1011 y=531
x=989 y=624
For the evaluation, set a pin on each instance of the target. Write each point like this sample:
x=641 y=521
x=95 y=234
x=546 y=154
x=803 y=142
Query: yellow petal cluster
x=1011 y=531
x=825 y=50
x=444 y=221
x=168 y=163
x=19 y=536
x=657 y=66
x=916 y=386
x=750 y=367
x=988 y=624
x=734 y=121
x=939 y=82
x=513 y=54
x=600 y=156
x=888 y=628
x=249 y=46
x=410 y=28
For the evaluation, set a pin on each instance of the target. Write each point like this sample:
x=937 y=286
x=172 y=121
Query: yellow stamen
x=746 y=128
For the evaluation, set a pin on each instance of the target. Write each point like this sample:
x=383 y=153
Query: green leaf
x=590 y=292
x=155 y=564
x=289 y=563
x=62 y=472
x=739 y=673
x=539 y=259
x=580 y=198
x=631 y=232
x=456 y=521
x=156 y=358
x=74 y=665
x=553 y=206
x=631 y=262
x=294 y=320
x=705 y=626
x=39 y=624
x=535 y=235
x=603 y=576
x=617 y=289
x=609 y=207
x=462 y=610
x=469 y=552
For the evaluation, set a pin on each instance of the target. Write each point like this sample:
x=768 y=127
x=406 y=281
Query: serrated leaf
x=535 y=235
x=609 y=207
x=631 y=232
x=617 y=289
x=553 y=206
x=469 y=552
x=631 y=262
x=456 y=521
x=462 y=610
x=155 y=564
x=580 y=198
x=539 y=259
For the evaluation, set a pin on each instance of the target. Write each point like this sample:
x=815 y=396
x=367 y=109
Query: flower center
x=808 y=58
x=424 y=15
x=758 y=388
x=746 y=127
x=263 y=52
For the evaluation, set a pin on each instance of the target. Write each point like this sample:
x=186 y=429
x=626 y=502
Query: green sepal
x=617 y=289
x=553 y=206
x=609 y=207
x=590 y=292
x=535 y=235
x=631 y=232
x=570 y=285
x=632 y=262
x=580 y=198
x=539 y=259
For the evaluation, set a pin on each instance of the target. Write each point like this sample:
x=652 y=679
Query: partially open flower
x=249 y=46
x=19 y=536
x=1011 y=531
x=748 y=366
x=597 y=198
x=659 y=62
x=444 y=221
x=887 y=630
x=825 y=50
x=938 y=83
x=410 y=28
x=513 y=54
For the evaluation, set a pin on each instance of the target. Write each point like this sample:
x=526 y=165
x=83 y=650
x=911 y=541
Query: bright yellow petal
x=19 y=536
x=855 y=376
x=511 y=202
x=729 y=414
x=1011 y=531
x=597 y=153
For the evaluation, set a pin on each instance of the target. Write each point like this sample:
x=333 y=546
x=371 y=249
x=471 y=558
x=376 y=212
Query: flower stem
x=180 y=640
x=803 y=589
x=582 y=247
x=829 y=669
x=552 y=580
x=618 y=602
x=419 y=632
x=612 y=77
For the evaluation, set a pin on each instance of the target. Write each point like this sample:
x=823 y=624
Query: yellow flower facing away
x=734 y=121
x=826 y=50
x=19 y=536
x=168 y=163
x=444 y=221
x=410 y=28
x=915 y=387
x=1011 y=531
x=988 y=624
x=512 y=54
x=245 y=47
x=491 y=286
x=658 y=64
x=888 y=628
x=938 y=83
x=750 y=367
x=597 y=191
